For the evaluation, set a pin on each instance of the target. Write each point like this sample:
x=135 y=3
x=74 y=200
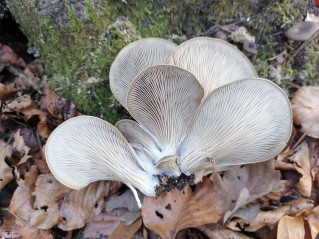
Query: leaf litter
x=265 y=200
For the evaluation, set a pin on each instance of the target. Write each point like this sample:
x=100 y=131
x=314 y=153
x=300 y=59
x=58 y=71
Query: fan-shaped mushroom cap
x=137 y=136
x=302 y=31
x=86 y=149
x=144 y=144
x=214 y=62
x=134 y=58
x=247 y=121
x=163 y=100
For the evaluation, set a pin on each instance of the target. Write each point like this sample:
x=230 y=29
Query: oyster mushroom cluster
x=198 y=107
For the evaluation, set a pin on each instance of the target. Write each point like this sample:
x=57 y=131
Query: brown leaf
x=45 y=217
x=42 y=124
x=48 y=191
x=299 y=162
x=126 y=232
x=244 y=183
x=58 y=108
x=305 y=105
x=81 y=206
x=19 y=146
x=291 y=228
x=29 y=178
x=21 y=204
x=7 y=56
x=5 y=171
x=269 y=217
x=9 y=229
x=177 y=210
x=223 y=233
x=18 y=104
x=6 y=90
x=312 y=217
x=29 y=232
x=124 y=207
x=102 y=225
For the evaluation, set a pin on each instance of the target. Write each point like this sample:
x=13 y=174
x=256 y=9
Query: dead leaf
x=19 y=146
x=269 y=218
x=102 y=225
x=42 y=124
x=312 y=217
x=29 y=232
x=191 y=207
x=305 y=105
x=81 y=206
x=124 y=207
x=299 y=162
x=126 y=232
x=29 y=178
x=222 y=233
x=21 y=205
x=244 y=183
x=58 y=108
x=7 y=56
x=18 y=104
x=5 y=171
x=48 y=191
x=291 y=228
x=6 y=90
x=45 y=217
x=8 y=228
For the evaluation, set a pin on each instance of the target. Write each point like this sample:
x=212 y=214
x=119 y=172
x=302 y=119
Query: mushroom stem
x=138 y=201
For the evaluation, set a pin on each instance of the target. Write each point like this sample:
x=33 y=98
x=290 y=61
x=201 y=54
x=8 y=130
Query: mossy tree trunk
x=78 y=39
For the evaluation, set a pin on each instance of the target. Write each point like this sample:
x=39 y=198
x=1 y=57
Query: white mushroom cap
x=247 y=121
x=214 y=62
x=143 y=143
x=86 y=149
x=163 y=100
x=302 y=31
x=134 y=58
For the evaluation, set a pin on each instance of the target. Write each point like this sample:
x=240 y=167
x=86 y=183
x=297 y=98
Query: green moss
x=86 y=45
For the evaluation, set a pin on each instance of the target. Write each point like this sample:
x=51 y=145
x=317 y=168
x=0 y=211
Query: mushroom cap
x=163 y=99
x=214 y=62
x=250 y=47
x=301 y=31
x=247 y=121
x=86 y=149
x=134 y=58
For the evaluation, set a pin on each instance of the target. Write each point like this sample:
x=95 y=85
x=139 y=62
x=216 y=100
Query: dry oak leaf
x=29 y=232
x=126 y=231
x=191 y=207
x=48 y=191
x=305 y=108
x=21 y=205
x=124 y=207
x=29 y=178
x=102 y=225
x=245 y=184
x=5 y=171
x=299 y=161
x=18 y=104
x=6 y=90
x=291 y=228
x=222 y=233
x=7 y=56
x=81 y=206
x=269 y=218
x=311 y=217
